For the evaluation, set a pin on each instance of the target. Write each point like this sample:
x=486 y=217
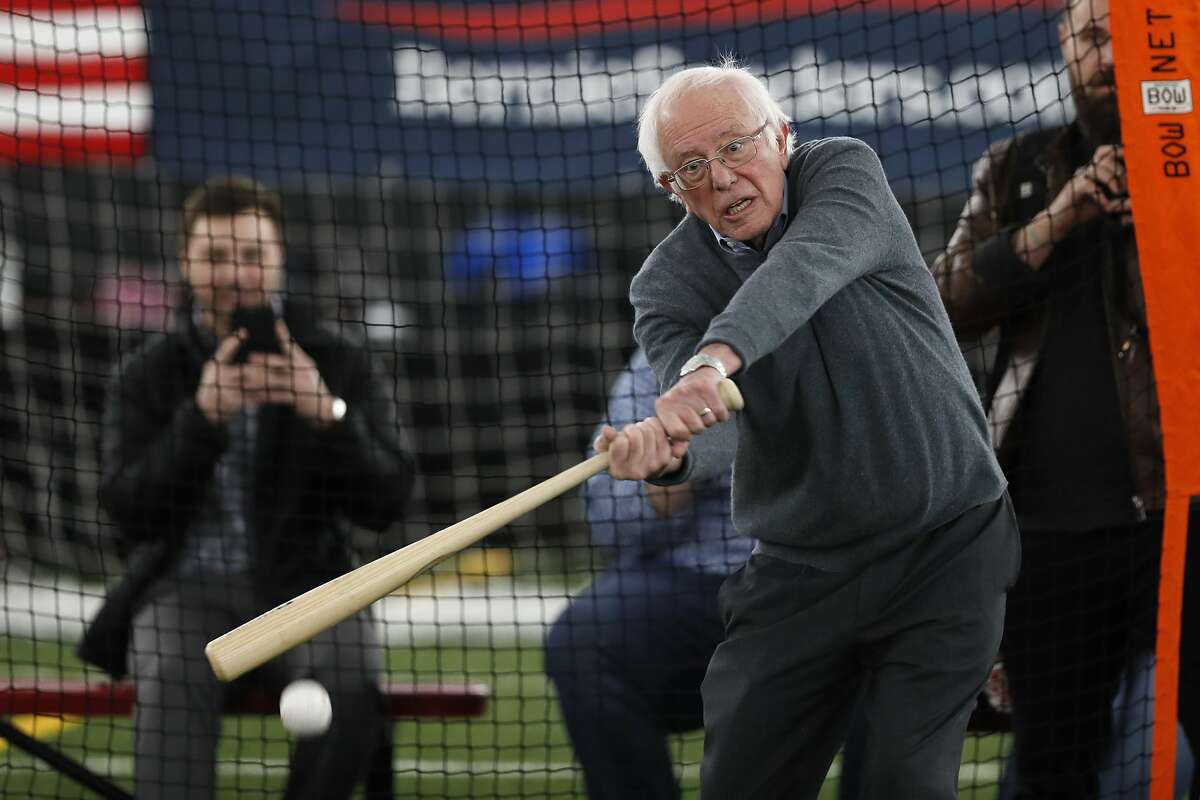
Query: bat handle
x=730 y=395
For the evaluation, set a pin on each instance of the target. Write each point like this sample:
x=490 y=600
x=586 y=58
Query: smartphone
x=259 y=323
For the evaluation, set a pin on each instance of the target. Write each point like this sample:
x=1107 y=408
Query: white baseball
x=305 y=709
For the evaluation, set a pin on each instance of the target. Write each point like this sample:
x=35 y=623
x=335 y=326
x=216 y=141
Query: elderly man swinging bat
x=862 y=462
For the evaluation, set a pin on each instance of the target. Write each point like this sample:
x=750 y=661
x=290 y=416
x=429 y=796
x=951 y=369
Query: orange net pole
x=1156 y=48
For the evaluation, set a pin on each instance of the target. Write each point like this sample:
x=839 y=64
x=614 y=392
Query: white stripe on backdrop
x=41 y=37
x=112 y=107
x=497 y=613
x=73 y=80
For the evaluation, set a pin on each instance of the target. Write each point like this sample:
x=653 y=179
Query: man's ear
x=665 y=182
x=781 y=137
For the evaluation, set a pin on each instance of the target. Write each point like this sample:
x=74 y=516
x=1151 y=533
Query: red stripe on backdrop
x=48 y=6
x=54 y=147
x=573 y=18
x=69 y=69
x=1157 y=55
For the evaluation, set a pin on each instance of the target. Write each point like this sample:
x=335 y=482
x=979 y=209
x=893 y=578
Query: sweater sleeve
x=845 y=226
x=668 y=342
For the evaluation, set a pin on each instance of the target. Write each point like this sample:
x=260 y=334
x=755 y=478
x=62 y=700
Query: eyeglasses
x=733 y=154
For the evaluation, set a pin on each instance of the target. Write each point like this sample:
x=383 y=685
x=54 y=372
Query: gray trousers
x=912 y=636
x=177 y=719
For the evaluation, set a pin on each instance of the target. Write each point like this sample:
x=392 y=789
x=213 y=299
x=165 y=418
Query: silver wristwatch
x=702 y=360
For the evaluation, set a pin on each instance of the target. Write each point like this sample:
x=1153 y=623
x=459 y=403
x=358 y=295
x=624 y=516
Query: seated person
x=232 y=477
x=629 y=653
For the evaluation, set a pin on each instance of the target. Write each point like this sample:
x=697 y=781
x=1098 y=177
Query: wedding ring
x=704 y=412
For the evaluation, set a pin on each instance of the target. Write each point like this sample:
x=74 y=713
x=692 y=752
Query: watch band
x=702 y=360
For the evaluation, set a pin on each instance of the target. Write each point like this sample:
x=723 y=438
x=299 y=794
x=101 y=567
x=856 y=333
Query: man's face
x=233 y=261
x=741 y=203
x=1087 y=48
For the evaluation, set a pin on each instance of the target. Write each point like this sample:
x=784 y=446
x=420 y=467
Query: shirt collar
x=738 y=248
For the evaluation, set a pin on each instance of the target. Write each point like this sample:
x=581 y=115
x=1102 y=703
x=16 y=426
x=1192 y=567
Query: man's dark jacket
x=985 y=284
x=160 y=452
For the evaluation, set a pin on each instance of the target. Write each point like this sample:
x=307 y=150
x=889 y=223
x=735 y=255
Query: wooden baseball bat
x=259 y=640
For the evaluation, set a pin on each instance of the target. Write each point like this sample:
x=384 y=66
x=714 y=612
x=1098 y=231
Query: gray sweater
x=862 y=429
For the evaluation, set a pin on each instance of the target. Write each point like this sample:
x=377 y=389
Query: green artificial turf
x=519 y=749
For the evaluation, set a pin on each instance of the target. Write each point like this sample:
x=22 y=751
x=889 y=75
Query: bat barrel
x=298 y=620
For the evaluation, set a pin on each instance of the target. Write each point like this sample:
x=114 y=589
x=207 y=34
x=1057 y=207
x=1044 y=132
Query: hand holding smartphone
x=259 y=324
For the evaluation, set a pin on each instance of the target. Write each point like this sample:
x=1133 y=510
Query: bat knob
x=730 y=395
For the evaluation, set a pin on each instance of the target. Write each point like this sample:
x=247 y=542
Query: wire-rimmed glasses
x=734 y=154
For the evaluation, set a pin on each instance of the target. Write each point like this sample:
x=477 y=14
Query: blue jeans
x=627 y=658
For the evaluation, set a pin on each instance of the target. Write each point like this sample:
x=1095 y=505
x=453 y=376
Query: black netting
x=464 y=208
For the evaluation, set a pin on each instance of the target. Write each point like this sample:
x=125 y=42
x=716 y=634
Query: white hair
x=730 y=73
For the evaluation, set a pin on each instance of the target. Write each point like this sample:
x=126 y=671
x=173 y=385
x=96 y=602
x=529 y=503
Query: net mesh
x=464 y=201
